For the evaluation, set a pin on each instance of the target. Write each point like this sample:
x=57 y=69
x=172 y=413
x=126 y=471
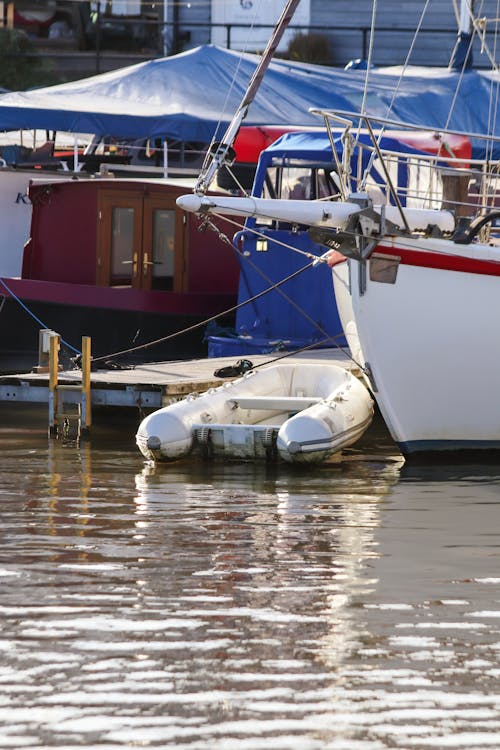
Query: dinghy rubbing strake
x=153 y=443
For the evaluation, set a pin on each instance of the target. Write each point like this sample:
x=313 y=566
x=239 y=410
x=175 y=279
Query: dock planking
x=149 y=385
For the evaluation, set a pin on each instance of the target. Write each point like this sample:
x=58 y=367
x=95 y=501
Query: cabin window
x=122 y=246
x=297 y=182
x=163 y=248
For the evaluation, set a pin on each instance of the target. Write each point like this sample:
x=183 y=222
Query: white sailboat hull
x=301 y=413
x=430 y=341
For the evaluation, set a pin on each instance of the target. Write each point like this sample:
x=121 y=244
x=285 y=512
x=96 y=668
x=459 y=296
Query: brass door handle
x=146 y=262
x=133 y=262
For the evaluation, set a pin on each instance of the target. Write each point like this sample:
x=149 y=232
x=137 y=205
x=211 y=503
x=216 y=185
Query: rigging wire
x=369 y=59
x=224 y=150
x=396 y=91
x=315 y=259
x=462 y=72
x=494 y=95
x=402 y=242
x=266 y=278
x=273 y=286
x=208 y=154
x=202 y=323
x=480 y=27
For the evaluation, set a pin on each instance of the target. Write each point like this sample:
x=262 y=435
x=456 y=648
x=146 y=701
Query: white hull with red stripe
x=430 y=340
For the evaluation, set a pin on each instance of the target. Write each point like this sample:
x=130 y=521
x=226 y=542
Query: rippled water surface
x=354 y=606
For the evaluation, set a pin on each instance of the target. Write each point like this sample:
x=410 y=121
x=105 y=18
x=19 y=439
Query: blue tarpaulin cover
x=192 y=97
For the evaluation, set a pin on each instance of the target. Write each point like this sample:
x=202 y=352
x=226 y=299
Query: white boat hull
x=299 y=413
x=15 y=218
x=430 y=341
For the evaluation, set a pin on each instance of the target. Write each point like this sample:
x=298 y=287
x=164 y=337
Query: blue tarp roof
x=188 y=96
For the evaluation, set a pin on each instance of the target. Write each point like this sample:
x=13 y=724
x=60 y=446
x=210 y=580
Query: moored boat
x=299 y=413
x=116 y=260
x=416 y=261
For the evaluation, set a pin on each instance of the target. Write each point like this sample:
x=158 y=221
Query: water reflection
x=202 y=607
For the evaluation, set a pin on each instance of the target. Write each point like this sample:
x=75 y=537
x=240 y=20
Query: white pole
x=466 y=8
x=76 y=166
x=165 y=159
x=164 y=30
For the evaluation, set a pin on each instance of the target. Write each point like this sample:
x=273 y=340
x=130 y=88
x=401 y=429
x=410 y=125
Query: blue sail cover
x=192 y=97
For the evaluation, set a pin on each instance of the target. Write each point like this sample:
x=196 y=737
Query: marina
x=237 y=551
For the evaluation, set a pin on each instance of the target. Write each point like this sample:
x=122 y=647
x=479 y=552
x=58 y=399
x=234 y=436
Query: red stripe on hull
x=442 y=261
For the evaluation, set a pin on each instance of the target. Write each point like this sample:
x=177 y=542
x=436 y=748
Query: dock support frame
x=57 y=417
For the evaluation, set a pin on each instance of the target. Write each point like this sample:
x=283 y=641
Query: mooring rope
x=202 y=322
x=35 y=317
x=272 y=287
x=313 y=345
x=315 y=259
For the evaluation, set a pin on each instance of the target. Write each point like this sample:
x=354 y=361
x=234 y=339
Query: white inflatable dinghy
x=302 y=413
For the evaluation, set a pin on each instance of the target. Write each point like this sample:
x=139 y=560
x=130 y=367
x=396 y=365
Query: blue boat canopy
x=192 y=96
x=313 y=145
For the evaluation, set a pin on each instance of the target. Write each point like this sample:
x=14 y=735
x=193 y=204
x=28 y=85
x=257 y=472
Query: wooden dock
x=148 y=386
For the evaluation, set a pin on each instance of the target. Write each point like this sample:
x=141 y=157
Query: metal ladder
x=59 y=417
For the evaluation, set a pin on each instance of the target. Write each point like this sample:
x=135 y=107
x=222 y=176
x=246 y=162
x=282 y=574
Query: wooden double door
x=141 y=241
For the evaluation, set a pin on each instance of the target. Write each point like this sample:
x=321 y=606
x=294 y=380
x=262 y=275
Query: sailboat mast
x=462 y=54
x=223 y=148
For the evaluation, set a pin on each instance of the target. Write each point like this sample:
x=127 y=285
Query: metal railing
x=362 y=31
x=157 y=37
x=175 y=36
